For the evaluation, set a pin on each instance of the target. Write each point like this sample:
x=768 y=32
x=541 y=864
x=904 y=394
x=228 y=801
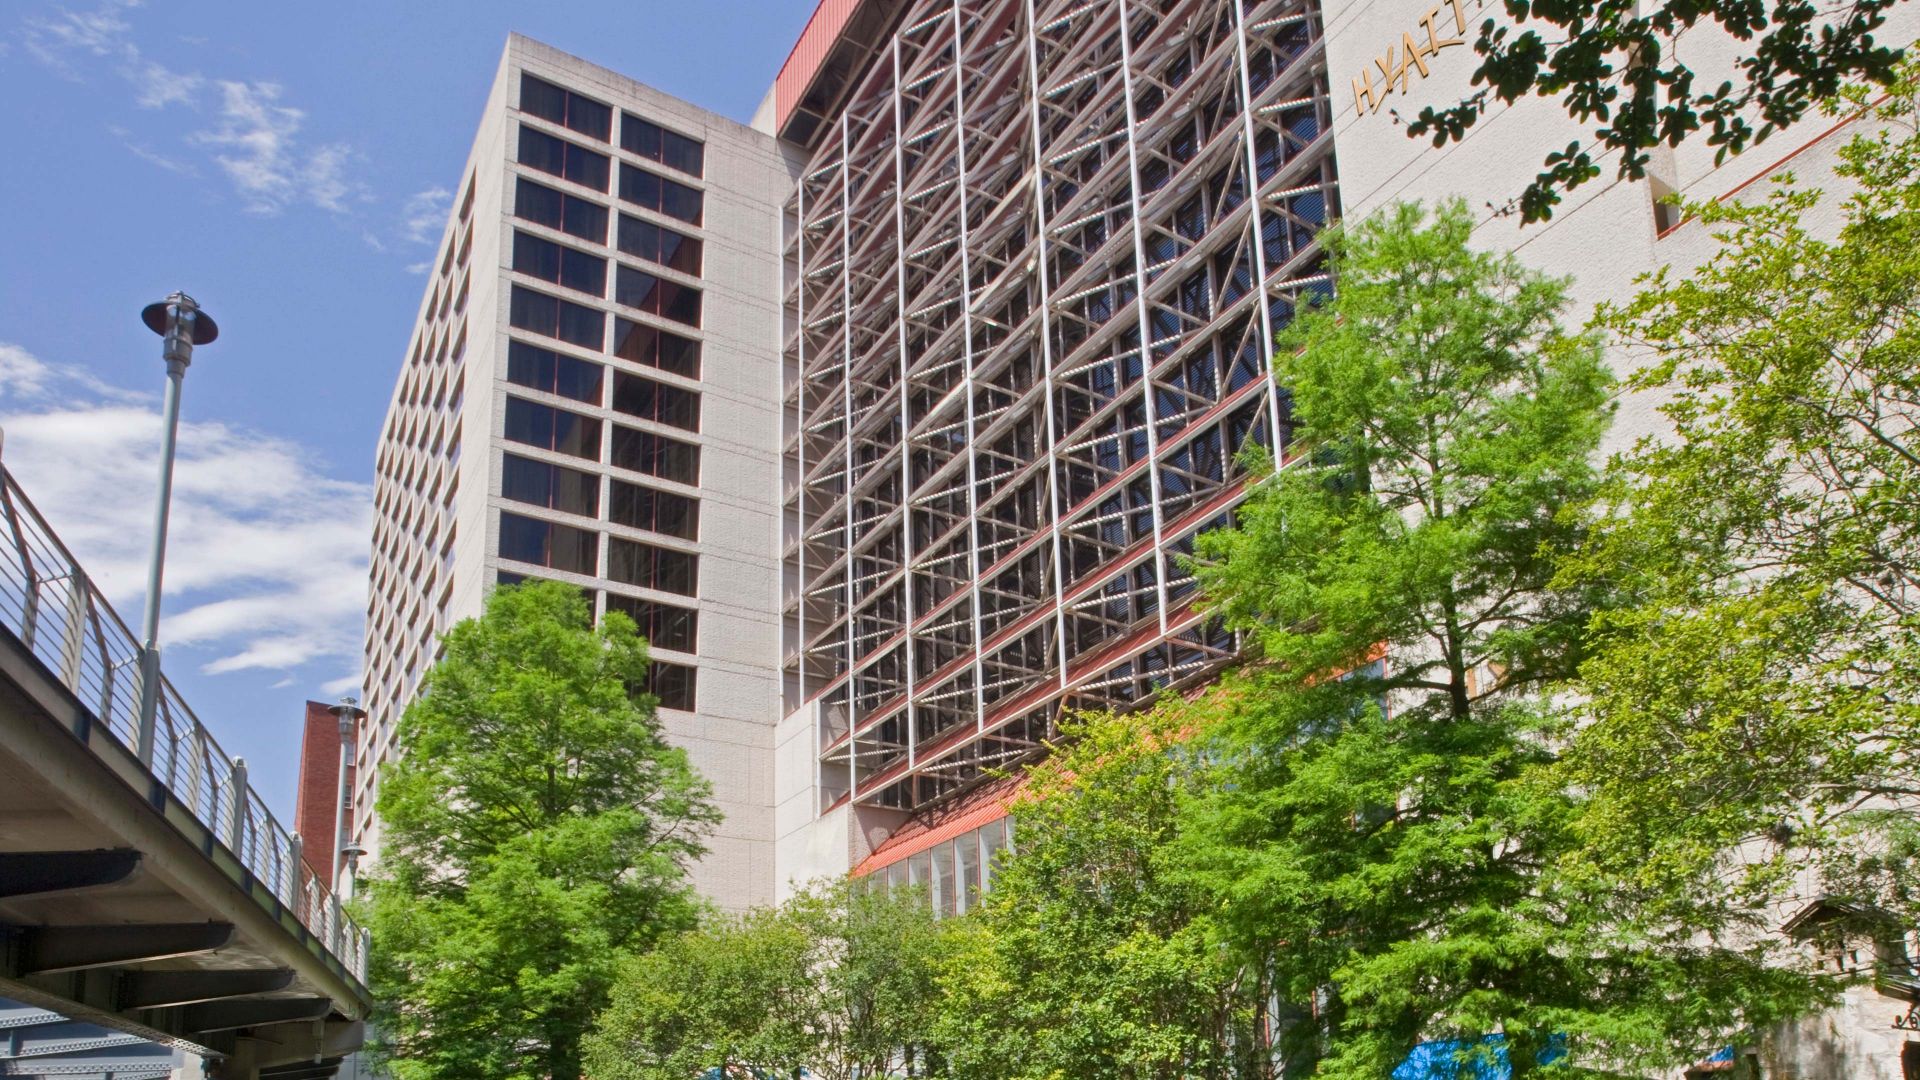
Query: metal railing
x=51 y=606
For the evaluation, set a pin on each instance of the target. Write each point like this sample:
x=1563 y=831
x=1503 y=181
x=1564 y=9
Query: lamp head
x=157 y=316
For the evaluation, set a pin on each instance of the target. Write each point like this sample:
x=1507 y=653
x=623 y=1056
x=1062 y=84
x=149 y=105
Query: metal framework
x=1026 y=346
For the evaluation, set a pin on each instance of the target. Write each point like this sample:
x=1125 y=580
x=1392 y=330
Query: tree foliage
x=1383 y=827
x=839 y=981
x=1757 y=706
x=1088 y=957
x=537 y=827
x=1618 y=64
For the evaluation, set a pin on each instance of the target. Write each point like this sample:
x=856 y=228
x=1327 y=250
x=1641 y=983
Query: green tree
x=1088 y=957
x=839 y=981
x=536 y=829
x=1382 y=827
x=1756 y=709
x=1617 y=64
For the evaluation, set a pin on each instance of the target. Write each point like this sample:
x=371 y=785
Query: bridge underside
x=119 y=910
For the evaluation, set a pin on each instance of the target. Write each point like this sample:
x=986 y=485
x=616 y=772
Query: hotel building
x=588 y=397
x=889 y=415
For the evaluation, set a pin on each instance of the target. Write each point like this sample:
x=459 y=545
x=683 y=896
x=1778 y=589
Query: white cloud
x=425 y=215
x=106 y=34
x=101 y=32
x=267 y=557
x=22 y=374
x=255 y=141
x=256 y=146
x=420 y=267
x=157 y=86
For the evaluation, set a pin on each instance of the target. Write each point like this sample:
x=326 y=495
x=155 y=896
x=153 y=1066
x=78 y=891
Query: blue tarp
x=1441 y=1059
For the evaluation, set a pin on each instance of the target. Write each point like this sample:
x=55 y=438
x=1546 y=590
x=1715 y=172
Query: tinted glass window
x=554 y=373
x=654 y=347
x=671 y=684
x=564 y=107
x=554 y=317
x=539 y=150
x=543 y=543
x=656 y=401
x=679 y=152
x=652 y=567
x=653 y=142
x=552 y=429
x=645 y=189
x=561 y=265
x=557 y=210
x=657 y=244
x=655 y=511
x=668 y=299
x=553 y=486
x=656 y=455
x=665 y=626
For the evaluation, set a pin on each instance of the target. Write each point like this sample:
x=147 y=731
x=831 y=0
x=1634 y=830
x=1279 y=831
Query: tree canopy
x=1618 y=65
x=839 y=981
x=1755 y=710
x=1383 y=828
x=1088 y=957
x=537 y=828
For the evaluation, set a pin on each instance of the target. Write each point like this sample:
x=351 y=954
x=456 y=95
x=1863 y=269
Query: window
x=538 y=150
x=553 y=486
x=553 y=429
x=654 y=192
x=672 y=684
x=566 y=108
x=657 y=244
x=638 y=396
x=655 y=455
x=657 y=296
x=654 y=347
x=663 y=625
x=558 y=210
x=652 y=567
x=549 y=261
x=655 y=511
x=554 y=373
x=557 y=318
x=544 y=543
x=655 y=143
x=967 y=847
x=943 y=891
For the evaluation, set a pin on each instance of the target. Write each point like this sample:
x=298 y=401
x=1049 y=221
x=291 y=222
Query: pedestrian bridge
x=147 y=894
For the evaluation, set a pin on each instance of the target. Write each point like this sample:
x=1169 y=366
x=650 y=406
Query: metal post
x=294 y=858
x=181 y=325
x=237 y=809
x=348 y=711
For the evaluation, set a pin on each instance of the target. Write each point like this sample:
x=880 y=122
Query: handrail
x=49 y=603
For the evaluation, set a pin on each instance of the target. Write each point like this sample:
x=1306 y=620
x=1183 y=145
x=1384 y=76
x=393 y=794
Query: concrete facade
x=443 y=491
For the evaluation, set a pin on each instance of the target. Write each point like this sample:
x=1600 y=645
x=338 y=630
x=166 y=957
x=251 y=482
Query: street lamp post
x=181 y=325
x=349 y=713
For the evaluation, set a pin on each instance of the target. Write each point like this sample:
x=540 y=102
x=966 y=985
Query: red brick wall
x=314 y=810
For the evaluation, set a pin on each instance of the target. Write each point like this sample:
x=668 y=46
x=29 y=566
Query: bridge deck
x=151 y=894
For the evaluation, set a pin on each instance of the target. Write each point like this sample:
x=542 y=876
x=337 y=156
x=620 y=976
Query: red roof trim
x=987 y=806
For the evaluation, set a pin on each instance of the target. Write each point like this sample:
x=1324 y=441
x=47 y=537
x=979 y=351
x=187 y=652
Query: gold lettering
x=1397 y=66
x=1366 y=98
x=1434 y=41
x=1415 y=53
x=1395 y=71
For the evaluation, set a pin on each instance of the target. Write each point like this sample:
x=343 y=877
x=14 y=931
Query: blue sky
x=287 y=164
